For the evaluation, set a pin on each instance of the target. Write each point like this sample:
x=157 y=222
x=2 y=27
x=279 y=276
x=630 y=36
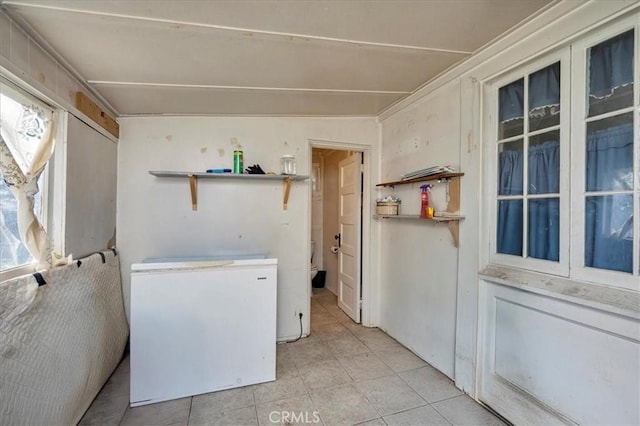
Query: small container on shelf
x=288 y=165
x=388 y=206
x=387 y=209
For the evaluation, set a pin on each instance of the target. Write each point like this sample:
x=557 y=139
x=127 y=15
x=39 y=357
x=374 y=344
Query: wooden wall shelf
x=453 y=206
x=439 y=176
x=194 y=176
x=415 y=216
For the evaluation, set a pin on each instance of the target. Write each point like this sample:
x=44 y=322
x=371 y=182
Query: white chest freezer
x=201 y=326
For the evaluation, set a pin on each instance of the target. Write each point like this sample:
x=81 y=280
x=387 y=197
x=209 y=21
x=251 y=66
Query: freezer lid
x=182 y=264
x=224 y=256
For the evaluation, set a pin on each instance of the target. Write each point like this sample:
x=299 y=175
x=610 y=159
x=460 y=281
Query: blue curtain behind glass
x=510 y=167
x=608 y=243
x=544 y=165
x=509 y=235
x=544 y=214
x=543 y=230
x=511 y=101
x=544 y=87
x=610 y=65
x=610 y=158
x=509 y=238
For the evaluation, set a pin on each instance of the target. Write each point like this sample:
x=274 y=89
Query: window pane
x=609 y=232
x=610 y=154
x=544 y=229
x=544 y=98
x=510 y=168
x=511 y=109
x=611 y=74
x=509 y=237
x=12 y=251
x=544 y=163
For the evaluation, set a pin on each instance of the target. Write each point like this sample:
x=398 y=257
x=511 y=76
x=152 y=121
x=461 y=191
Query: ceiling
x=264 y=57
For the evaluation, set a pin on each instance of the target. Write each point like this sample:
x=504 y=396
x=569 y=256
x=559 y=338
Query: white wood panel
x=19 y=48
x=42 y=67
x=5 y=36
x=540 y=355
x=331 y=226
x=350 y=252
x=351 y=45
x=91 y=189
x=139 y=100
x=415 y=23
x=171 y=53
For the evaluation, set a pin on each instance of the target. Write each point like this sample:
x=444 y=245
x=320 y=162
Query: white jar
x=288 y=165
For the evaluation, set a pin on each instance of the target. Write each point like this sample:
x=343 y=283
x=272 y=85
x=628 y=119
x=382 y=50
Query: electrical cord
x=300 y=336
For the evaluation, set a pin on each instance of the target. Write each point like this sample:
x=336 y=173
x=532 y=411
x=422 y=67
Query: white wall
x=155 y=216
x=419 y=259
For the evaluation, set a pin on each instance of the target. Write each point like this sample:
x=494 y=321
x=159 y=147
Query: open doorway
x=336 y=227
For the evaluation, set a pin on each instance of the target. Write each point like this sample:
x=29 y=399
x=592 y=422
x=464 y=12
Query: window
x=568 y=166
x=606 y=170
x=13 y=252
x=529 y=188
x=26 y=144
x=530 y=145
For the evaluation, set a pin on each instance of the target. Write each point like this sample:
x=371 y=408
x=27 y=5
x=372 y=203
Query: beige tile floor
x=343 y=374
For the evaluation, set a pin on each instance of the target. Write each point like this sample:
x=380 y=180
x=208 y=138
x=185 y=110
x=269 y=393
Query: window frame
x=29 y=268
x=579 y=120
x=560 y=268
x=49 y=177
x=573 y=153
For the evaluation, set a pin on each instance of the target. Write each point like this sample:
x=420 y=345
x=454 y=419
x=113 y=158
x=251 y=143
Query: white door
x=350 y=190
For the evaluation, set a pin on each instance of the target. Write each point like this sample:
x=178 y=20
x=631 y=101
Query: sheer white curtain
x=27 y=130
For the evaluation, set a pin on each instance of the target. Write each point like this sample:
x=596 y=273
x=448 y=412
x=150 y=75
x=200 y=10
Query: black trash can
x=318 y=280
